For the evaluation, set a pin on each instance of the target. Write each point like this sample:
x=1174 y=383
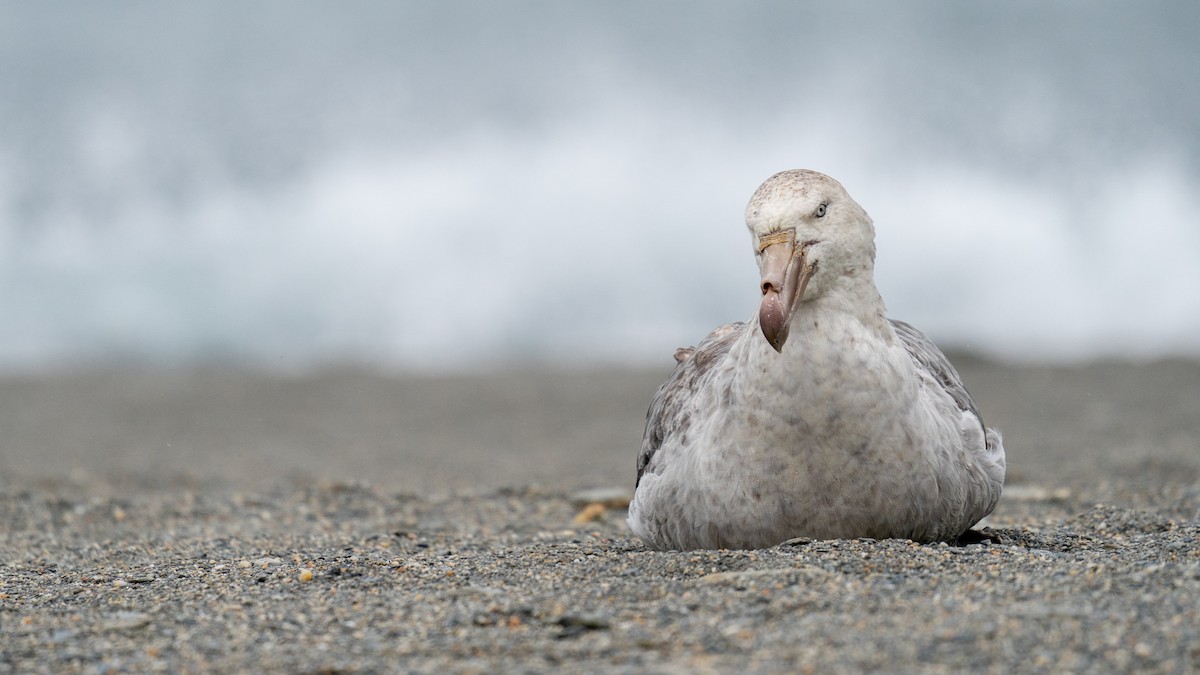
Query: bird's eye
x=821 y=210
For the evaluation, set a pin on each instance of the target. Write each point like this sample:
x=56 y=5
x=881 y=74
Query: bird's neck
x=850 y=299
x=839 y=346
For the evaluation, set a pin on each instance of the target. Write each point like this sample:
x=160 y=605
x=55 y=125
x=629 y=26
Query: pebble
x=126 y=621
x=590 y=513
x=609 y=497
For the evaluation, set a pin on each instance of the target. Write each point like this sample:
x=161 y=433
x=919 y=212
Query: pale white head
x=809 y=236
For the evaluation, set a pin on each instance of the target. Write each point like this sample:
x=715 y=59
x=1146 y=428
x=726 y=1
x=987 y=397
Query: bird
x=818 y=417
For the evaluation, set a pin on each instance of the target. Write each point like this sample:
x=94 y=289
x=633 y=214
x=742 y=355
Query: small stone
x=126 y=621
x=591 y=512
x=609 y=497
x=306 y=575
x=797 y=541
x=576 y=624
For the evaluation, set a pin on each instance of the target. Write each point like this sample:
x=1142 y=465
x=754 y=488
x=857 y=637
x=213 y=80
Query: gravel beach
x=227 y=521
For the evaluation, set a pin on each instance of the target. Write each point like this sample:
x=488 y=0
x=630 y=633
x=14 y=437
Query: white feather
x=860 y=427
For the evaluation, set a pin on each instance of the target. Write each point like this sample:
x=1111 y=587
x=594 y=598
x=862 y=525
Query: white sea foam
x=605 y=227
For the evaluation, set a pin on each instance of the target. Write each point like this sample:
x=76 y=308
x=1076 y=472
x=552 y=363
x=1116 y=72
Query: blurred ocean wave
x=435 y=187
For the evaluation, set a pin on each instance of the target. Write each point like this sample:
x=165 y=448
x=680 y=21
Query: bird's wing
x=669 y=411
x=929 y=358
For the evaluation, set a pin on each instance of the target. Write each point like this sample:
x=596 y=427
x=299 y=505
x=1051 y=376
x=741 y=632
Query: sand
x=227 y=521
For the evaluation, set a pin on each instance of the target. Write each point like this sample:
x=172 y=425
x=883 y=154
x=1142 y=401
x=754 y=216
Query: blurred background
x=448 y=186
x=245 y=240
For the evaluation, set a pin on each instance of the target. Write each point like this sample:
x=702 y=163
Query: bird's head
x=808 y=234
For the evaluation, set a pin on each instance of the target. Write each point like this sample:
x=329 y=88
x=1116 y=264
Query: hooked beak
x=785 y=274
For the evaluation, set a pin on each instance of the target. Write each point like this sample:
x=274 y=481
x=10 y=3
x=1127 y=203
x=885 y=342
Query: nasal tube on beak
x=785 y=275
